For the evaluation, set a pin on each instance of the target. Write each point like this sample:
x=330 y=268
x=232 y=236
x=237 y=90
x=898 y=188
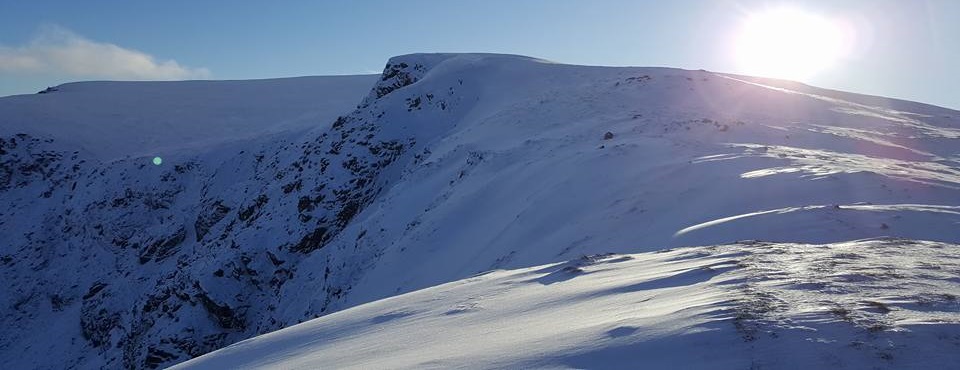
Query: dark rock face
x=156 y=357
x=226 y=317
x=209 y=215
x=163 y=247
x=396 y=76
x=26 y=160
x=312 y=241
x=252 y=211
x=97 y=325
x=159 y=264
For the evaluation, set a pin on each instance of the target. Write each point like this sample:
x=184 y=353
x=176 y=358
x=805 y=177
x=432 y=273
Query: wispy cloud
x=56 y=50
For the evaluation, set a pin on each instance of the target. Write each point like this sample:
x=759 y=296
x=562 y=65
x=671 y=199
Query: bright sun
x=790 y=43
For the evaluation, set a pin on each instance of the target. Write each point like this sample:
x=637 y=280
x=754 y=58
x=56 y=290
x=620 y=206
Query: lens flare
x=790 y=43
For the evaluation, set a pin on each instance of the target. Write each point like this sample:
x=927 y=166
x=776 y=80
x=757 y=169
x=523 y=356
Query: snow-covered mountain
x=452 y=165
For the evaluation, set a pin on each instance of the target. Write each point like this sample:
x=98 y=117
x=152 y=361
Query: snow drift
x=868 y=304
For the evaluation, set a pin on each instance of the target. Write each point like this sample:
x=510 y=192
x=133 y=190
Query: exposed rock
x=223 y=314
x=209 y=216
x=163 y=247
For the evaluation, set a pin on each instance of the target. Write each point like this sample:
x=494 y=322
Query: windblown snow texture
x=453 y=164
x=877 y=304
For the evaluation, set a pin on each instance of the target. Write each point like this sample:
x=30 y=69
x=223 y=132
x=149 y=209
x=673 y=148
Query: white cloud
x=56 y=50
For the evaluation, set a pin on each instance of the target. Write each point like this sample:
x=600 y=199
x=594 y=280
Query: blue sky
x=906 y=49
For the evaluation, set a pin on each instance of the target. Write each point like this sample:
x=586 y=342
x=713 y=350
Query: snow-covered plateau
x=478 y=211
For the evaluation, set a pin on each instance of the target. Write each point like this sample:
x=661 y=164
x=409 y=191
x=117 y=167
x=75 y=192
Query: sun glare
x=790 y=43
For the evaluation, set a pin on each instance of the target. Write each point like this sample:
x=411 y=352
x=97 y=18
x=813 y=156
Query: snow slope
x=112 y=120
x=876 y=304
x=453 y=164
x=526 y=177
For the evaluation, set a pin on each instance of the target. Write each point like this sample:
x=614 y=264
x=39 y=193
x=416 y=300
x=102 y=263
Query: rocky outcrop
x=209 y=215
x=396 y=76
x=163 y=246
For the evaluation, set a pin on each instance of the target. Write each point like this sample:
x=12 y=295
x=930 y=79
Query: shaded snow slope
x=878 y=304
x=451 y=165
x=116 y=119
